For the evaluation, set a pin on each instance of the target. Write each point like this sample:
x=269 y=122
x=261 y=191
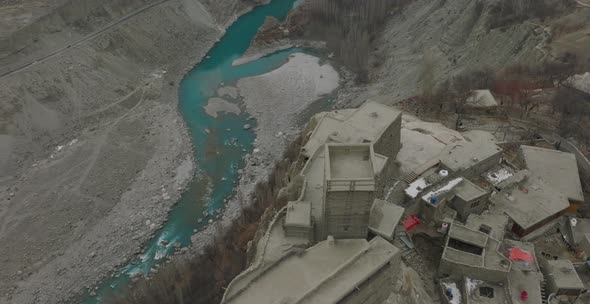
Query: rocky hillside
x=450 y=36
x=93 y=151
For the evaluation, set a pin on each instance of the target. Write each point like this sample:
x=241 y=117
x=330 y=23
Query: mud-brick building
x=298 y=221
x=350 y=189
x=372 y=123
x=559 y=169
x=562 y=278
x=349 y=157
x=531 y=204
x=473 y=253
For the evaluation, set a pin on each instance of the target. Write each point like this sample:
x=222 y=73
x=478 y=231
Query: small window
x=474 y=204
x=345 y=228
x=485 y=229
x=487 y=292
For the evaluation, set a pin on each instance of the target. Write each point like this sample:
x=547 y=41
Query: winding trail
x=83 y=39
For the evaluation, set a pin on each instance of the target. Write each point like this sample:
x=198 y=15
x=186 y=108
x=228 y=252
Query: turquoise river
x=220 y=143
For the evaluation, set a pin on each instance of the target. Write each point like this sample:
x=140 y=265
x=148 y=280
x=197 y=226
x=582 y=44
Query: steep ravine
x=94 y=151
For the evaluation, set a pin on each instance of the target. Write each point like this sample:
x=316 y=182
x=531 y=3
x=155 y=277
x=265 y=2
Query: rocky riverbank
x=98 y=152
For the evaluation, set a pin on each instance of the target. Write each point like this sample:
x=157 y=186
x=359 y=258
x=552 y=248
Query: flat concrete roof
x=313 y=192
x=365 y=124
x=559 y=169
x=416 y=187
x=298 y=214
x=324 y=273
x=524 y=246
x=423 y=142
x=497 y=175
x=491 y=258
x=529 y=281
x=563 y=274
x=534 y=202
x=468 y=191
x=462 y=257
x=384 y=218
x=469 y=236
x=441 y=190
x=495 y=220
x=349 y=161
x=474 y=296
x=482 y=99
x=516 y=178
x=463 y=155
x=353 y=274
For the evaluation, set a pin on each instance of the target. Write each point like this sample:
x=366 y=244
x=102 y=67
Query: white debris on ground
x=59 y=148
x=448 y=187
x=471 y=284
x=496 y=177
x=454 y=291
x=416 y=187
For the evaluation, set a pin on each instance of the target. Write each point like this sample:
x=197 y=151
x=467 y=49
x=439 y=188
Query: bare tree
x=348 y=27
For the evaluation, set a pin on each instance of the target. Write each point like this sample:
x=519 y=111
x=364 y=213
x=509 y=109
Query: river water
x=220 y=143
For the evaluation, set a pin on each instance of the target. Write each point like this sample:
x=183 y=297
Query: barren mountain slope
x=93 y=151
x=456 y=34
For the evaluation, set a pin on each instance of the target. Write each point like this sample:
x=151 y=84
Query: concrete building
x=384 y=219
x=370 y=123
x=333 y=271
x=470 y=158
x=522 y=277
x=473 y=253
x=339 y=183
x=558 y=169
x=298 y=220
x=531 y=205
x=562 y=278
x=433 y=204
x=344 y=171
x=466 y=158
x=350 y=189
x=469 y=199
x=491 y=223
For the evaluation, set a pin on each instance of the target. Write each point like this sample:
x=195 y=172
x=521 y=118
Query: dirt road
x=109 y=26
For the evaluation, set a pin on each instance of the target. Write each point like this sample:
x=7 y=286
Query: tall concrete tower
x=349 y=189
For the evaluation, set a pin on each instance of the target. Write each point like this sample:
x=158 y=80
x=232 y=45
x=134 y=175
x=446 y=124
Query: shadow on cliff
x=203 y=278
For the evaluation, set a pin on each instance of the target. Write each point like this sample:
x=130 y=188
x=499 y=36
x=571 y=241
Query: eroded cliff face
x=452 y=36
x=93 y=149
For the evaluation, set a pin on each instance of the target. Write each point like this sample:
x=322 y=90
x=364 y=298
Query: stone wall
x=374 y=290
x=464 y=209
x=457 y=270
x=347 y=213
x=389 y=142
x=583 y=162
